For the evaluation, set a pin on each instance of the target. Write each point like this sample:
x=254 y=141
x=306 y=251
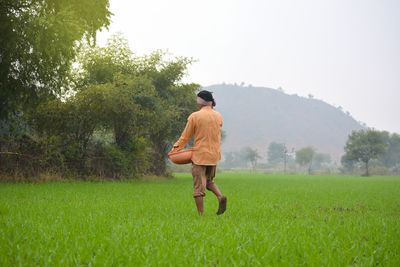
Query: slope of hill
x=256 y=116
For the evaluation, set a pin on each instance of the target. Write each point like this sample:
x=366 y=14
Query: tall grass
x=271 y=220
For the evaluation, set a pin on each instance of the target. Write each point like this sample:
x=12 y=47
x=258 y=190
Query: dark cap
x=207 y=96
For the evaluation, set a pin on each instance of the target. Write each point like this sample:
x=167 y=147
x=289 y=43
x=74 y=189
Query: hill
x=256 y=116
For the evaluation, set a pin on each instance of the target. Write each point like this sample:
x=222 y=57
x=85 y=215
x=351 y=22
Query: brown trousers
x=203 y=177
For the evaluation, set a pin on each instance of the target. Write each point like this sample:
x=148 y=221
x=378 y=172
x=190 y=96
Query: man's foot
x=199 y=204
x=222 y=206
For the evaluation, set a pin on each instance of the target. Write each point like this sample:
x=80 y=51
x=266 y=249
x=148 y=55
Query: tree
x=164 y=111
x=348 y=165
x=38 y=43
x=364 y=145
x=251 y=155
x=391 y=158
x=175 y=106
x=231 y=160
x=123 y=109
x=304 y=157
x=118 y=120
x=276 y=152
x=321 y=160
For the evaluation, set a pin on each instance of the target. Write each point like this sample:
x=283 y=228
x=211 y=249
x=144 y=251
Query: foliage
x=163 y=102
x=365 y=145
x=110 y=108
x=117 y=121
x=250 y=155
x=38 y=43
x=321 y=160
x=391 y=157
x=241 y=158
x=305 y=156
x=231 y=160
x=276 y=152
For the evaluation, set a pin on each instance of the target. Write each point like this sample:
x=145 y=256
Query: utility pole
x=284 y=158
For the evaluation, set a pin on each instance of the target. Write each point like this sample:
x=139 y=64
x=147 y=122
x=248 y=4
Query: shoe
x=222 y=206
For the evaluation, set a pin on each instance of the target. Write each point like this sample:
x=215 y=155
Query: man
x=205 y=127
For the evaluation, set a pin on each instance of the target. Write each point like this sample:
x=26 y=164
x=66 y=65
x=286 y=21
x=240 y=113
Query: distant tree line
x=365 y=150
x=72 y=108
x=278 y=159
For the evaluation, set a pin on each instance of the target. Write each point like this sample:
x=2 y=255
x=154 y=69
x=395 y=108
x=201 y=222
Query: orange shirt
x=205 y=127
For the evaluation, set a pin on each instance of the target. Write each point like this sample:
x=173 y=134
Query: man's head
x=205 y=98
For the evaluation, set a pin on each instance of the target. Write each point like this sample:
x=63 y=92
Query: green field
x=271 y=220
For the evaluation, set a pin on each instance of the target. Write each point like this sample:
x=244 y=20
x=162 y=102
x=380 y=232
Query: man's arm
x=186 y=135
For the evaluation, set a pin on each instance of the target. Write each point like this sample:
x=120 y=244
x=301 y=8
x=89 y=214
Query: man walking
x=205 y=127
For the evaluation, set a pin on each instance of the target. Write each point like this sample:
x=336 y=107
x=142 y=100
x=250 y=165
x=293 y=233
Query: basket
x=182 y=156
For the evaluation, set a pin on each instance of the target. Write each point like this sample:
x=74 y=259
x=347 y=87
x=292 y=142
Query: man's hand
x=174 y=149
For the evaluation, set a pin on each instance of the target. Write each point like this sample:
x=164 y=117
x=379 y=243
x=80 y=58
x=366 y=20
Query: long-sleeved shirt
x=205 y=127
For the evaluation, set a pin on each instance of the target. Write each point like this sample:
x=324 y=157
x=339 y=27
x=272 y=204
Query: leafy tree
x=391 y=158
x=321 y=159
x=230 y=159
x=123 y=108
x=99 y=65
x=305 y=156
x=38 y=42
x=121 y=115
x=233 y=159
x=176 y=105
x=348 y=165
x=365 y=145
x=166 y=101
x=250 y=155
x=276 y=152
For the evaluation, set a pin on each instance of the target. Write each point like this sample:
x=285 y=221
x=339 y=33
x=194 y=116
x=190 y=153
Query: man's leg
x=214 y=188
x=222 y=205
x=199 y=204
x=222 y=200
x=199 y=185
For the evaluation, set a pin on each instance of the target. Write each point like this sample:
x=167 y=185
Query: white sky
x=345 y=52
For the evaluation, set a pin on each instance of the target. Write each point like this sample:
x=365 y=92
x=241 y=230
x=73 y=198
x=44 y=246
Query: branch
x=15 y=153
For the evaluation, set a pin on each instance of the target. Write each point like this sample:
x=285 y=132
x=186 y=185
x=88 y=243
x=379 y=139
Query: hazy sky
x=345 y=52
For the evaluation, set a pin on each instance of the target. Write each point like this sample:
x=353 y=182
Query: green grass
x=271 y=220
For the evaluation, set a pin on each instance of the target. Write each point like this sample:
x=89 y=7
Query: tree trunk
x=284 y=163
x=366 y=168
x=158 y=166
x=121 y=138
